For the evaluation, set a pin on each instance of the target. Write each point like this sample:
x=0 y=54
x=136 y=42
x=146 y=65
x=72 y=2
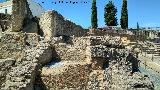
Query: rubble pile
x=74 y=77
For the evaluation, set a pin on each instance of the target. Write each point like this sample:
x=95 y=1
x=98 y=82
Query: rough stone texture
x=30 y=57
x=69 y=53
x=53 y=24
x=11 y=45
x=118 y=76
x=20 y=12
x=22 y=75
x=90 y=75
x=5 y=66
x=83 y=48
x=74 y=76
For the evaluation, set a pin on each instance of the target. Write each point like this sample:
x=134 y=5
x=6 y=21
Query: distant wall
x=53 y=24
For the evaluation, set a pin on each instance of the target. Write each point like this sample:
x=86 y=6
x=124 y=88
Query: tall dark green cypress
x=124 y=15
x=137 y=26
x=94 y=15
x=110 y=13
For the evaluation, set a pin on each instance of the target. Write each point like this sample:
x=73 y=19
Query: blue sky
x=146 y=12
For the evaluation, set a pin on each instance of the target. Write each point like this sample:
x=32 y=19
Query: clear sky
x=146 y=12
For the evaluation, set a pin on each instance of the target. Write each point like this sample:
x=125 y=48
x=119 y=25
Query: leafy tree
x=124 y=15
x=94 y=15
x=110 y=13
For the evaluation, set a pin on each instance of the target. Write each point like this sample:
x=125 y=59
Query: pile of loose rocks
x=74 y=77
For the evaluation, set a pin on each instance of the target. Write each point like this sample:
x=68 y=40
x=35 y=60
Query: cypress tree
x=137 y=26
x=94 y=15
x=110 y=13
x=124 y=15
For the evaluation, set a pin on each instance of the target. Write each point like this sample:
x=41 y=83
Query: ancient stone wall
x=53 y=24
x=5 y=67
x=11 y=45
x=70 y=53
x=20 y=12
x=22 y=74
x=85 y=48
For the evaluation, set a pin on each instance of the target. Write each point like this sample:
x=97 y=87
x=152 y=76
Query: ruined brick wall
x=53 y=24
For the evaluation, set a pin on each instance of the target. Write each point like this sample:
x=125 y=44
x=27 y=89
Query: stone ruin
x=60 y=56
x=91 y=62
x=20 y=12
x=53 y=24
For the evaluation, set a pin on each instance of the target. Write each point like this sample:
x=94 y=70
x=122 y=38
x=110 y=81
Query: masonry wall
x=20 y=11
x=70 y=53
x=19 y=74
x=12 y=44
x=53 y=24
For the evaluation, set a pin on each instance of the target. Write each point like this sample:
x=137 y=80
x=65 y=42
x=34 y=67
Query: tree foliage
x=110 y=13
x=94 y=15
x=124 y=15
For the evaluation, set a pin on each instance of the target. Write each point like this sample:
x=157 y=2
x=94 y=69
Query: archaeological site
x=49 y=52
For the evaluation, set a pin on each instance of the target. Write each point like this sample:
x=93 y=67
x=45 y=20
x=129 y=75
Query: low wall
x=69 y=53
